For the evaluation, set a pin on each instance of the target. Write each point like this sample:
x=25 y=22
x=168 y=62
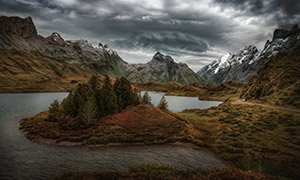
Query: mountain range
x=31 y=61
x=246 y=62
x=73 y=57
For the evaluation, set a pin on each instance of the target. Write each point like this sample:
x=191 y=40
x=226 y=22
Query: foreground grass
x=165 y=172
x=252 y=137
x=141 y=124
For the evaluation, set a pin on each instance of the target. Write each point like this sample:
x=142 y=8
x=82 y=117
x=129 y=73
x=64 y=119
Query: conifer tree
x=125 y=95
x=140 y=97
x=146 y=98
x=136 y=98
x=95 y=83
x=88 y=113
x=77 y=97
x=109 y=98
x=53 y=111
x=163 y=104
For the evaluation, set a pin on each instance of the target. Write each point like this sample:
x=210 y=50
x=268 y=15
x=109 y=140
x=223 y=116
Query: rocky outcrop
x=18 y=26
x=247 y=62
x=162 y=69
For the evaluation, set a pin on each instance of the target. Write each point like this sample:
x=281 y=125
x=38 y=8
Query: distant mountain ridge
x=247 y=62
x=18 y=35
x=162 y=69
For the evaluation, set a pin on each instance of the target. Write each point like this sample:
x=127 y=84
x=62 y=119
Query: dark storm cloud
x=284 y=12
x=165 y=41
x=290 y=7
x=193 y=29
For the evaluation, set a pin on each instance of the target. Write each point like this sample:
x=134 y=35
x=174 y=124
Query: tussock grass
x=256 y=138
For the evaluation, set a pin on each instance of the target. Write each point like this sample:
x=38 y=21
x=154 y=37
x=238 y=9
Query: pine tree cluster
x=88 y=102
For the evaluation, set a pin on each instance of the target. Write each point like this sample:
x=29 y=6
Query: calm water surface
x=179 y=103
x=22 y=159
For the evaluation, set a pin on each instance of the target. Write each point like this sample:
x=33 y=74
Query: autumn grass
x=208 y=92
x=256 y=138
x=278 y=81
x=165 y=172
x=141 y=124
x=25 y=71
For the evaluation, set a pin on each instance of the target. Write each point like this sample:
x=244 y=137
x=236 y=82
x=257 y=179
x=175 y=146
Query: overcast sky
x=191 y=31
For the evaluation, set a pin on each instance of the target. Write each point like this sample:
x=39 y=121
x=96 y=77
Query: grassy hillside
x=31 y=71
x=251 y=137
x=278 y=82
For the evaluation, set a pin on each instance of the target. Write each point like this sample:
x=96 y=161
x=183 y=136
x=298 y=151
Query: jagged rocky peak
x=56 y=38
x=282 y=33
x=18 y=26
x=250 y=49
x=100 y=45
x=162 y=59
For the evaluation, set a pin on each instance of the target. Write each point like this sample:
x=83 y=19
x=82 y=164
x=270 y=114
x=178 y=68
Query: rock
x=247 y=62
x=18 y=26
x=162 y=68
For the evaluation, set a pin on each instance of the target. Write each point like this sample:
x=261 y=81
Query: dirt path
x=240 y=101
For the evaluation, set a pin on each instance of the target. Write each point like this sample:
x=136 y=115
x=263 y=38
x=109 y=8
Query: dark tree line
x=88 y=102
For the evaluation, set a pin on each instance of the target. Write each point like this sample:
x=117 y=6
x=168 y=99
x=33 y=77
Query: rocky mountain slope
x=162 y=69
x=247 y=62
x=278 y=81
x=29 y=59
x=21 y=34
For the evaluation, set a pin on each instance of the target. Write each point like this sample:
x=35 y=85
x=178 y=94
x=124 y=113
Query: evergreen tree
x=88 y=113
x=136 y=99
x=118 y=89
x=77 y=98
x=125 y=95
x=163 y=104
x=108 y=98
x=53 y=111
x=95 y=83
x=146 y=98
x=140 y=97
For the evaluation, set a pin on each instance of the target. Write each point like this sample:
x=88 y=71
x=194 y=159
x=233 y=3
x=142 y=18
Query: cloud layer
x=194 y=32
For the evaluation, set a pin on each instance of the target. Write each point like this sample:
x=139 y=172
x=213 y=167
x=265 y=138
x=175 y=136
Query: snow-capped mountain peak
x=222 y=62
x=247 y=61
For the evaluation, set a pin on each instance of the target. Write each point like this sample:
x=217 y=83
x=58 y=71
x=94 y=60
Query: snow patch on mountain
x=247 y=61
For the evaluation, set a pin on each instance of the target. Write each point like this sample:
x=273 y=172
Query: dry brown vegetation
x=208 y=92
x=277 y=82
x=164 y=172
x=24 y=71
x=142 y=123
x=261 y=139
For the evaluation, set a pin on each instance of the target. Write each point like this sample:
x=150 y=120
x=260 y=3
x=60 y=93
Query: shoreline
x=52 y=142
x=68 y=144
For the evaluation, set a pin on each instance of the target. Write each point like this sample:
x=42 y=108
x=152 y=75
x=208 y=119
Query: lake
x=179 y=103
x=22 y=159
